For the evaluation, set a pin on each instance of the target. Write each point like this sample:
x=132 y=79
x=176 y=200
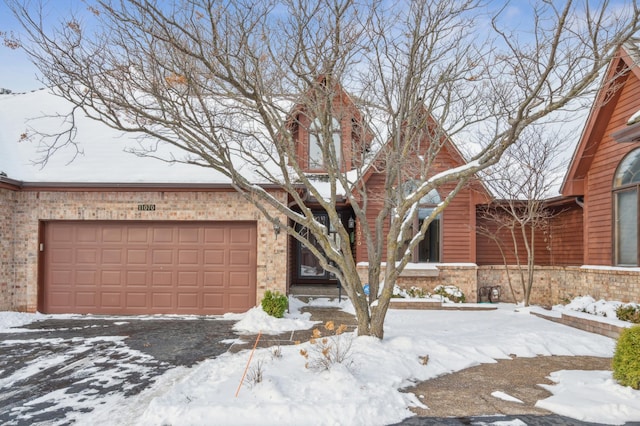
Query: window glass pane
x=429 y=248
x=627 y=227
x=316 y=159
x=337 y=147
x=628 y=170
x=315 y=151
x=431 y=198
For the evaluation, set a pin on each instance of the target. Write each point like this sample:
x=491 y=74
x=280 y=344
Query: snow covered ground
x=364 y=389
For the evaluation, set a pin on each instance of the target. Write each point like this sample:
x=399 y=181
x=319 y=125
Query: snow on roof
x=104 y=158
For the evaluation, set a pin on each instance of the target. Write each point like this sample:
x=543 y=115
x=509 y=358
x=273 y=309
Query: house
x=603 y=177
x=590 y=244
x=107 y=232
x=113 y=233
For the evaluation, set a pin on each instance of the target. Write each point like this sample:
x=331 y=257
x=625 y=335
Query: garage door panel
x=111 y=278
x=239 y=257
x=239 y=280
x=62 y=234
x=214 y=257
x=112 y=234
x=162 y=236
x=60 y=298
x=187 y=278
x=149 y=267
x=86 y=255
x=62 y=255
x=162 y=257
x=111 y=299
x=237 y=300
x=162 y=278
x=137 y=256
x=215 y=235
x=85 y=278
x=188 y=300
x=162 y=300
x=86 y=235
x=60 y=278
x=137 y=234
x=214 y=279
x=136 y=300
x=189 y=257
x=214 y=301
x=186 y=236
x=112 y=256
x=137 y=278
x=240 y=236
x=86 y=299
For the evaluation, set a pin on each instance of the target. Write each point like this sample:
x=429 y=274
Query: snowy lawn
x=364 y=389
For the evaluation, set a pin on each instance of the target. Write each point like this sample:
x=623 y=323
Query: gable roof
x=624 y=64
x=103 y=159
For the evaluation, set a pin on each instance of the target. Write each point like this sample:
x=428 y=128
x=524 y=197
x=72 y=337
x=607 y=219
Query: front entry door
x=309 y=270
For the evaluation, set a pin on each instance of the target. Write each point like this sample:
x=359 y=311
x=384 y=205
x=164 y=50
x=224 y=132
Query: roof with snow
x=104 y=156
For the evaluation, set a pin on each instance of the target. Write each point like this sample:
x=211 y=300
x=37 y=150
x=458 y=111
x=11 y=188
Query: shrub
x=325 y=351
x=629 y=313
x=626 y=360
x=275 y=303
x=450 y=292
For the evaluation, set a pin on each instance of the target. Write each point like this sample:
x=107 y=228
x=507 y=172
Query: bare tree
x=218 y=81
x=525 y=178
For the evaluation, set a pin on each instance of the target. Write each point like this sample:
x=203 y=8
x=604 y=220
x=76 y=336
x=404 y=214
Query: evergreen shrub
x=626 y=360
x=274 y=303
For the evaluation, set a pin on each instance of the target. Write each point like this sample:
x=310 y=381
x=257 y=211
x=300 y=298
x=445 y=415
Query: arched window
x=316 y=142
x=428 y=249
x=625 y=204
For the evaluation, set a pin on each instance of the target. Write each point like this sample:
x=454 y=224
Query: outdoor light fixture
x=276 y=226
x=351 y=223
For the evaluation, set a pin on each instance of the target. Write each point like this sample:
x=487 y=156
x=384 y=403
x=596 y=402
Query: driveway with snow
x=55 y=370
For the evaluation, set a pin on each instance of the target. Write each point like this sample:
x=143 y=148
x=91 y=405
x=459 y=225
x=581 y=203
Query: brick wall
x=556 y=284
x=6 y=248
x=461 y=275
x=32 y=207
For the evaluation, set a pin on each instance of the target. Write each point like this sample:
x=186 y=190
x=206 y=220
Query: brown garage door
x=149 y=267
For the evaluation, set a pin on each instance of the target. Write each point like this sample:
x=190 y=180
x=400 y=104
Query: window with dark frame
x=626 y=186
x=316 y=142
x=428 y=249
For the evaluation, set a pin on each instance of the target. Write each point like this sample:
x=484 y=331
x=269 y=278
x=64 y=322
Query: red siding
x=458 y=219
x=559 y=244
x=598 y=223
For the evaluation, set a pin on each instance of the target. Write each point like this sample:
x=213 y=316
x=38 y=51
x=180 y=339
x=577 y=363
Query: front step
x=304 y=292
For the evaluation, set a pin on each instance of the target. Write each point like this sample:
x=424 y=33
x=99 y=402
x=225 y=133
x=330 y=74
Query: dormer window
x=317 y=144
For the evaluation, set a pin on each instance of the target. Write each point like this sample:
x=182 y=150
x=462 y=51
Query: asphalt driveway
x=60 y=366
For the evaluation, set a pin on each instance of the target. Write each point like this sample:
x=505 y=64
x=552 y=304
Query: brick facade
x=462 y=275
x=558 y=284
x=7 y=206
x=22 y=212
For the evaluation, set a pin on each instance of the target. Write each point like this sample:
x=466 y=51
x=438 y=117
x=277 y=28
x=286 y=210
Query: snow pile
x=589 y=305
x=256 y=320
x=10 y=320
x=592 y=306
x=591 y=396
x=361 y=390
x=279 y=390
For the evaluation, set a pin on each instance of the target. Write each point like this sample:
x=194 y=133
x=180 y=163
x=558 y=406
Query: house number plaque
x=146 y=207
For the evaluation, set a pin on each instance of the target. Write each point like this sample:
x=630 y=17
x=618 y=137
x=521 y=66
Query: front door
x=308 y=266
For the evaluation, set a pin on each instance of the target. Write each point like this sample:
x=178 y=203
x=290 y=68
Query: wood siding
x=598 y=222
x=560 y=244
x=458 y=219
